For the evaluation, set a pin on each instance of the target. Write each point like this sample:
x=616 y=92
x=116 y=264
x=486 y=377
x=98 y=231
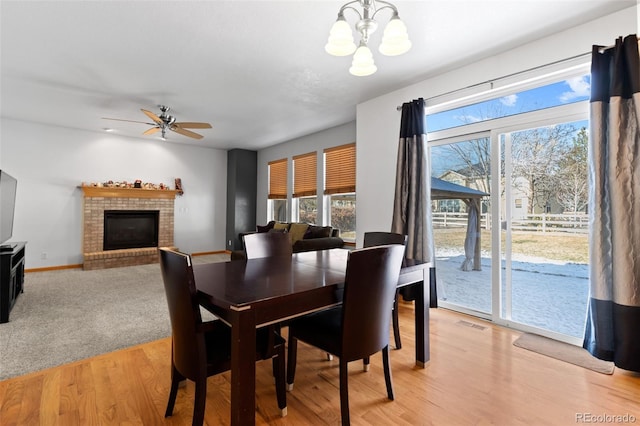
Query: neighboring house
x=472 y=177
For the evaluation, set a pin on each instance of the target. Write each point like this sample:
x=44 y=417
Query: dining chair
x=267 y=244
x=202 y=349
x=359 y=327
x=372 y=239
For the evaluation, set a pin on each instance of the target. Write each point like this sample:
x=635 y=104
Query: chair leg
x=291 y=361
x=279 y=371
x=344 y=392
x=176 y=378
x=200 y=400
x=387 y=372
x=396 y=325
x=366 y=361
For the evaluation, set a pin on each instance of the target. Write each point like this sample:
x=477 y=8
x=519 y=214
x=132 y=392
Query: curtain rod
x=603 y=49
x=399 y=108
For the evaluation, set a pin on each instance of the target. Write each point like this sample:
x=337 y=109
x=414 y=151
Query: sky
x=568 y=91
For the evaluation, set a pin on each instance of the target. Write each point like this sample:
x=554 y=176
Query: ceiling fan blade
x=151 y=131
x=186 y=132
x=128 y=121
x=152 y=116
x=192 y=125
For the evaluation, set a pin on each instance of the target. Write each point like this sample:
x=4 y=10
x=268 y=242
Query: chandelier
x=395 y=40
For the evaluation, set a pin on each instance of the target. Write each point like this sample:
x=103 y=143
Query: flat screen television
x=8 y=186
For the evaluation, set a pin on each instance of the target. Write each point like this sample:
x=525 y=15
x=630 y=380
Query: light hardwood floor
x=475 y=376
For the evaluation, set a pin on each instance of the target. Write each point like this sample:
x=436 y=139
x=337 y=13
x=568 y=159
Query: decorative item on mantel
x=179 y=190
x=124 y=184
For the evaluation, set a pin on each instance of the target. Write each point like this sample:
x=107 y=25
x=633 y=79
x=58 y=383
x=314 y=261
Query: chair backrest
x=372 y=239
x=267 y=244
x=188 y=346
x=369 y=289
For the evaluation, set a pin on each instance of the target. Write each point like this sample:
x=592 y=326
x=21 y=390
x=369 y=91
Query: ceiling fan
x=164 y=122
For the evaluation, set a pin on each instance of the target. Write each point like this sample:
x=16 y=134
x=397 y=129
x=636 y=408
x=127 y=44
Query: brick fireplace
x=99 y=199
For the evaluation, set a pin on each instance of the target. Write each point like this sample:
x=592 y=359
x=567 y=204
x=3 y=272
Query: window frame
x=278 y=188
x=576 y=111
x=338 y=179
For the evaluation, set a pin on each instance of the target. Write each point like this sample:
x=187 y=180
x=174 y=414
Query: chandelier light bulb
x=395 y=40
x=363 y=64
x=340 y=41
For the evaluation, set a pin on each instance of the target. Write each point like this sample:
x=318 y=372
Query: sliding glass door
x=543 y=226
x=460 y=174
x=521 y=259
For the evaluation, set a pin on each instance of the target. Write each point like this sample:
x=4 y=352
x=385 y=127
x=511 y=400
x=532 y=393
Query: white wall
x=51 y=162
x=335 y=136
x=378 y=120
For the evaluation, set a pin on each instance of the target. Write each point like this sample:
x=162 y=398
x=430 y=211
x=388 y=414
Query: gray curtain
x=613 y=318
x=412 y=202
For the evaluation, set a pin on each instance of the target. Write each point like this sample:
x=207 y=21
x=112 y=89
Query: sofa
x=304 y=237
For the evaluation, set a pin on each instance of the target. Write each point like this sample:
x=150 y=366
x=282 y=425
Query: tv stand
x=11 y=277
x=7 y=247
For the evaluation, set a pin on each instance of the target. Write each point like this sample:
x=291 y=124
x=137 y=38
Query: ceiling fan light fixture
x=164 y=122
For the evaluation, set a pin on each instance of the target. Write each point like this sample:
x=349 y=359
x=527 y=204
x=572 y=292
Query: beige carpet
x=564 y=352
x=70 y=314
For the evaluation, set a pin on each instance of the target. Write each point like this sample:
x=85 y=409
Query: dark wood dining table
x=248 y=294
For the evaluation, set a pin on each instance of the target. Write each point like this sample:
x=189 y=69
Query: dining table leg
x=243 y=367
x=422 y=320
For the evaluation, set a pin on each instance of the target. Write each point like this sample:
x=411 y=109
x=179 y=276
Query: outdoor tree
x=572 y=189
x=535 y=157
x=471 y=159
x=474 y=162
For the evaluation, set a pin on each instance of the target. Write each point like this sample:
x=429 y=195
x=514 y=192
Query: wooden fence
x=544 y=222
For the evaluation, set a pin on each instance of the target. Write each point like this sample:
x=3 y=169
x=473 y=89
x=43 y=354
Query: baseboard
x=53 y=268
x=205 y=253
x=79 y=265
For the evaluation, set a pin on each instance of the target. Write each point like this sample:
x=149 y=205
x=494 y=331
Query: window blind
x=278 y=179
x=340 y=169
x=304 y=175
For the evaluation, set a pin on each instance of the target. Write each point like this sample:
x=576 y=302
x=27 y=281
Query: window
x=340 y=188
x=278 y=190
x=572 y=90
x=304 y=187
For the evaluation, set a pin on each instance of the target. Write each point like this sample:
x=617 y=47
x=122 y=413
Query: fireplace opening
x=125 y=229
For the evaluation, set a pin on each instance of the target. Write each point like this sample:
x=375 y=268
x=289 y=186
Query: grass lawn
x=554 y=246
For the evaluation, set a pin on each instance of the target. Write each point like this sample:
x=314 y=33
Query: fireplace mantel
x=115 y=192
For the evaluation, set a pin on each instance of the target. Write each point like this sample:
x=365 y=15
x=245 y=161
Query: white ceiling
x=256 y=70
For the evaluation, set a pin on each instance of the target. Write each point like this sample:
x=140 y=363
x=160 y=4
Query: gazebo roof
x=443 y=190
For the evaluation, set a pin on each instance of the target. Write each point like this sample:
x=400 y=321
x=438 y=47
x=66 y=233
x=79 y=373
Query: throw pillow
x=315 y=231
x=297 y=231
x=266 y=227
x=281 y=225
x=282 y=231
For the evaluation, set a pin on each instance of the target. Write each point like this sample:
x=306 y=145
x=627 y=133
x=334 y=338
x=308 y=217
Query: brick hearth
x=98 y=199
